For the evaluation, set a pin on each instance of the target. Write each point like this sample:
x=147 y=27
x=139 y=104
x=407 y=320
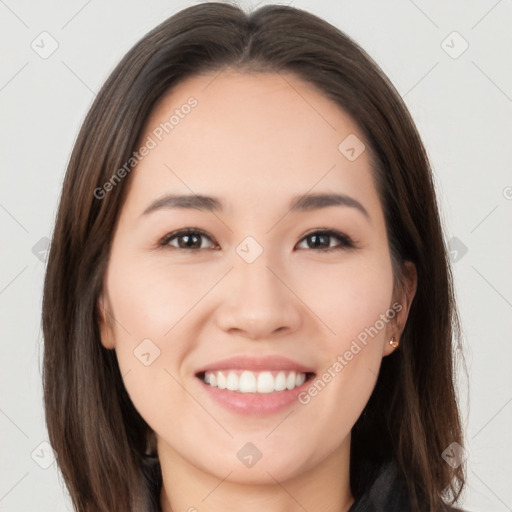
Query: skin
x=253 y=141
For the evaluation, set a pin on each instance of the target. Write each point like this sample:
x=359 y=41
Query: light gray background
x=462 y=107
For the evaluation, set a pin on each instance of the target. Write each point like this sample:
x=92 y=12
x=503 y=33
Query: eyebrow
x=306 y=202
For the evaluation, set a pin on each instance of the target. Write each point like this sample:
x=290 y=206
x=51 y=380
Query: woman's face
x=255 y=301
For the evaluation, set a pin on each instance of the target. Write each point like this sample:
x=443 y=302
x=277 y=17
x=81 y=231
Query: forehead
x=250 y=136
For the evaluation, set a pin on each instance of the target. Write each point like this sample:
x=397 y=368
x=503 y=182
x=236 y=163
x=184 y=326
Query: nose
x=258 y=303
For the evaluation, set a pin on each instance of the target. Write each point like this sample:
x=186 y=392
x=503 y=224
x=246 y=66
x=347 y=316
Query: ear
x=105 y=324
x=404 y=300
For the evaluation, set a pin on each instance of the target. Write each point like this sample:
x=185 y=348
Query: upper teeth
x=254 y=382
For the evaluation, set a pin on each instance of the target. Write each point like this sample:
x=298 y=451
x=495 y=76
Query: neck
x=325 y=487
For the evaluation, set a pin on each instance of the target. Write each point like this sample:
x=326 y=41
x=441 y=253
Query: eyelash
x=346 y=241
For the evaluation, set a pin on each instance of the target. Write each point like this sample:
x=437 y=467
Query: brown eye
x=188 y=239
x=323 y=239
x=194 y=240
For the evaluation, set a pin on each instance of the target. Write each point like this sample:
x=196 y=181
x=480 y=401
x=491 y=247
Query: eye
x=321 y=239
x=192 y=239
x=187 y=238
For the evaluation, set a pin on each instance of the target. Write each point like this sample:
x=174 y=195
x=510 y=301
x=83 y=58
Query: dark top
x=387 y=493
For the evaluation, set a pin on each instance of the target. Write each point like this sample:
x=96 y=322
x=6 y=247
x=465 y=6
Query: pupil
x=190 y=240
x=316 y=240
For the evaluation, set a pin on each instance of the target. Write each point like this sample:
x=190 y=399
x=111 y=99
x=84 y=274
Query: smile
x=259 y=385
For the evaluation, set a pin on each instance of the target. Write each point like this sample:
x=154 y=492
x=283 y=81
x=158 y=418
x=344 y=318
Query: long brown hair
x=99 y=438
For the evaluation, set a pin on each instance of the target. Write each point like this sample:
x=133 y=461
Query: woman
x=248 y=303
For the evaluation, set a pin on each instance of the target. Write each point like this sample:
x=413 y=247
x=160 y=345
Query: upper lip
x=252 y=363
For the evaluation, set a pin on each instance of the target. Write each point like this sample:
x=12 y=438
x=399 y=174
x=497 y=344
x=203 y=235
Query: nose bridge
x=258 y=302
x=255 y=281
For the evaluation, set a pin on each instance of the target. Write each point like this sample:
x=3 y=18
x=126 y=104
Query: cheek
x=150 y=306
x=150 y=296
x=348 y=297
x=352 y=301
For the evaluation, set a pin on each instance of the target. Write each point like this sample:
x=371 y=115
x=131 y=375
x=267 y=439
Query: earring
x=393 y=342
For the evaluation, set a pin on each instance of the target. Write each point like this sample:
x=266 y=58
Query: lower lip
x=254 y=403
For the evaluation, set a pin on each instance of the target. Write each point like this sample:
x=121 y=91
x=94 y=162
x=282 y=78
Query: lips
x=256 y=386
x=255 y=374
x=256 y=364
